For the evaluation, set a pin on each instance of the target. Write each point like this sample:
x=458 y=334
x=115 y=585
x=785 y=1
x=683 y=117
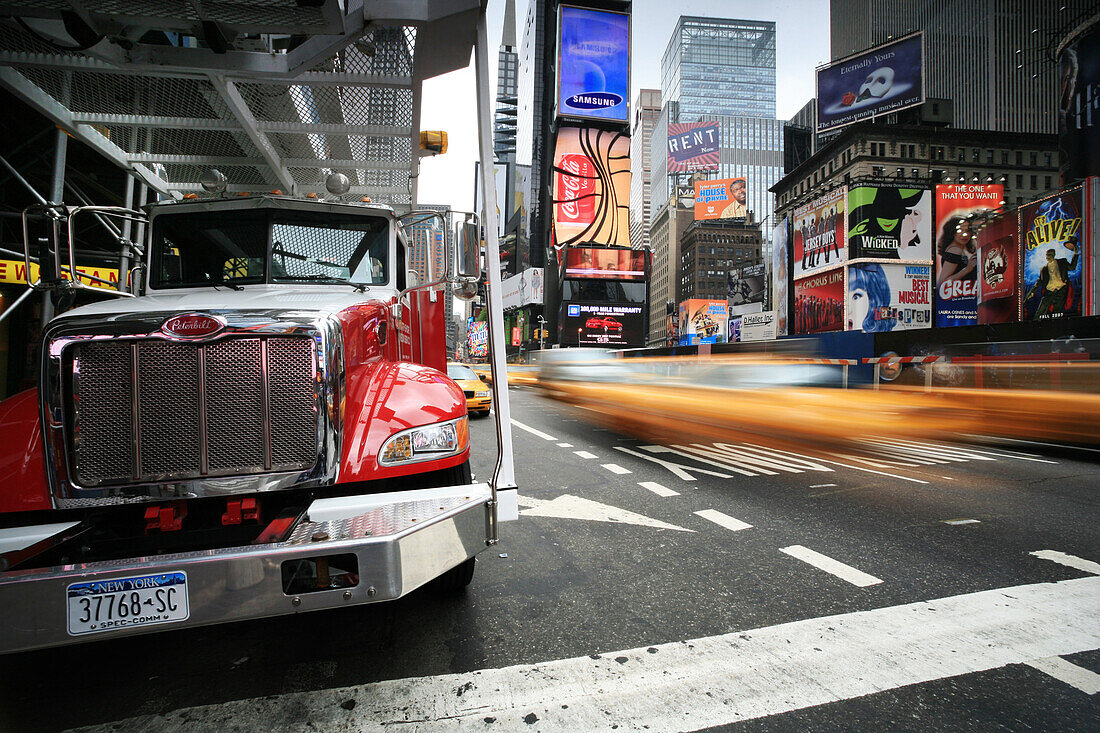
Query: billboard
x=685 y=197
x=746 y=285
x=1051 y=234
x=477 y=339
x=819 y=302
x=605 y=264
x=759 y=326
x=723 y=198
x=779 y=275
x=1078 y=121
x=591 y=194
x=603 y=324
x=998 y=271
x=734 y=329
x=956 y=260
x=593 y=64
x=703 y=321
x=889 y=297
x=890 y=222
x=672 y=324
x=692 y=146
x=522 y=289
x=883 y=79
x=818 y=233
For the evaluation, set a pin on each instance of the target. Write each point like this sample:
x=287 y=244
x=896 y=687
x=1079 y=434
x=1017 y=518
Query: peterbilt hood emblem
x=192 y=325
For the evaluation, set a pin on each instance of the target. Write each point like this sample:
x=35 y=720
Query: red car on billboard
x=605 y=324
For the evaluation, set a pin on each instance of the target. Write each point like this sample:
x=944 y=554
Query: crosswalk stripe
x=1083 y=679
x=1071 y=561
x=723 y=520
x=831 y=566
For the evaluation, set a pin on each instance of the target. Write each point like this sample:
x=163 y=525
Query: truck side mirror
x=468 y=250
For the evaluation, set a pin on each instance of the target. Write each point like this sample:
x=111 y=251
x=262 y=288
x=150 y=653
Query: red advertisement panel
x=605 y=264
x=998 y=267
x=817 y=233
x=819 y=302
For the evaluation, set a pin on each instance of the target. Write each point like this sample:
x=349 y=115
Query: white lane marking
x=768 y=671
x=1083 y=679
x=724 y=520
x=956 y=522
x=532 y=430
x=616 y=468
x=842 y=465
x=884 y=448
x=701 y=456
x=1031 y=442
x=820 y=486
x=657 y=489
x=1062 y=558
x=584 y=454
x=949 y=478
x=575 y=507
x=791 y=460
x=565 y=445
x=829 y=565
x=679 y=470
x=969 y=454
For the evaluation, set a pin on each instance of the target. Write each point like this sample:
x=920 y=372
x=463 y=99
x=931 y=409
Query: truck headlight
x=425 y=443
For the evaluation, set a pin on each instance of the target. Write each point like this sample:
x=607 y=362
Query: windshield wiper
x=361 y=287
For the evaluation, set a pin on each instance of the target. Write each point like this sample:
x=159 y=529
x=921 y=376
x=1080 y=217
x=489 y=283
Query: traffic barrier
x=878 y=361
x=842 y=362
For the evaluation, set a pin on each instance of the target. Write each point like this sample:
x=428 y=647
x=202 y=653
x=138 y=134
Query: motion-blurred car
x=478 y=396
x=603 y=324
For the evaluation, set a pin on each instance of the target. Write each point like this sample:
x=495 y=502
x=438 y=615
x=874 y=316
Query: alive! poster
x=956 y=253
x=1051 y=234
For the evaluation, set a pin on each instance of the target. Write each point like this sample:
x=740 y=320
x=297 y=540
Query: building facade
x=669 y=223
x=709 y=251
x=647 y=108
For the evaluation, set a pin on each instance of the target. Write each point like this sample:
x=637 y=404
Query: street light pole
x=542 y=329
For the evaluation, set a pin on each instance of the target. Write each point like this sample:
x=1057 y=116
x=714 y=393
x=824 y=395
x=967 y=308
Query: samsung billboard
x=593 y=64
x=883 y=79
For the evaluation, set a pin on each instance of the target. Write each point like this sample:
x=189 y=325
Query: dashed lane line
x=657 y=489
x=958 y=522
x=616 y=468
x=1087 y=566
x=565 y=445
x=831 y=566
x=584 y=454
x=767 y=672
x=723 y=520
x=533 y=431
x=820 y=486
x=1083 y=679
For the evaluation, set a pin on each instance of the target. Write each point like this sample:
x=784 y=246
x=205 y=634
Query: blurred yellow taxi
x=479 y=398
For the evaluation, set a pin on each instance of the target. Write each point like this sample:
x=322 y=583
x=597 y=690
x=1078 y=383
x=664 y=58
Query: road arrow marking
x=567 y=506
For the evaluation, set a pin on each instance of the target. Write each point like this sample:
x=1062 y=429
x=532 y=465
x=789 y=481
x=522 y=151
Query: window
x=989 y=157
x=1046 y=157
x=977 y=154
x=1004 y=157
x=1034 y=182
x=1019 y=158
x=1046 y=182
x=1034 y=157
x=1019 y=181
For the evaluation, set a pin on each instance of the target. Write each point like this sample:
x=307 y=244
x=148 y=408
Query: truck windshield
x=234 y=247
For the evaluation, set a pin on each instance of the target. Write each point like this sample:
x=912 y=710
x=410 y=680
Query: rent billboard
x=779 y=275
x=692 y=146
x=723 y=198
x=746 y=285
x=883 y=79
x=1051 y=234
x=605 y=264
x=603 y=324
x=593 y=64
x=889 y=297
x=703 y=321
x=818 y=233
x=890 y=222
x=591 y=195
x=956 y=256
x=819 y=302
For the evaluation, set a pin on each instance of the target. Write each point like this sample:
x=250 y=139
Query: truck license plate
x=127 y=603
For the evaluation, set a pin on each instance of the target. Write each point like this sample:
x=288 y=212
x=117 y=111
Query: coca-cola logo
x=576 y=189
x=192 y=325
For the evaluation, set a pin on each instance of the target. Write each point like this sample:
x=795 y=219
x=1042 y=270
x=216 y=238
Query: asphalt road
x=678 y=587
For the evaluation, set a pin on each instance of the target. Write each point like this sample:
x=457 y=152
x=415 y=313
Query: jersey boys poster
x=889 y=297
x=956 y=254
x=889 y=222
x=1051 y=234
x=818 y=233
x=819 y=302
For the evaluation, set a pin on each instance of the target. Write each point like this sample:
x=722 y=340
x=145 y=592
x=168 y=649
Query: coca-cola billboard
x=591 y=195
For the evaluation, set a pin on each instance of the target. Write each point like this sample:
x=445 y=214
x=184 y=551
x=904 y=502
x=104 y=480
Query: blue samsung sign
x=593 y=64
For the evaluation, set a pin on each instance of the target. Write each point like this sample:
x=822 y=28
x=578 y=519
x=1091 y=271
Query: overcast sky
x=802 y=30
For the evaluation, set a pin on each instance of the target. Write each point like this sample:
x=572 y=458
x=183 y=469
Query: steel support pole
x=877 y=366
x=127 y=230
x=57 y=196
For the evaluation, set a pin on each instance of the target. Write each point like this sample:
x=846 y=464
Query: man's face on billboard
x=737 y=189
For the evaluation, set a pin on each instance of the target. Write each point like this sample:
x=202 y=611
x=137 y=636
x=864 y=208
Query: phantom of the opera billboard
x=605 y=264
x=723 y=198
x=1051 y=236
x=887 y=222
x=779 y=276
x=818 y=233
x=692 y=146
x=703 y=321
x=819 y=302
x=603 y=324
x=884 y=79
x=746 y=285
x=956 y=255
x=591 y=178
x=593 y=64
x=889 y=297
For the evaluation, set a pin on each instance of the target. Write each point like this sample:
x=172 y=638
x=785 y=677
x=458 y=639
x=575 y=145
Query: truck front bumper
x=400 y=542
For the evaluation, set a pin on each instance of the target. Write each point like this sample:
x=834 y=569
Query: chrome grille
x=193 y=410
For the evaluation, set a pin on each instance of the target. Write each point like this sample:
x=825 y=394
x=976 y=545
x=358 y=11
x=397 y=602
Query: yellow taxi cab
x=478 y=396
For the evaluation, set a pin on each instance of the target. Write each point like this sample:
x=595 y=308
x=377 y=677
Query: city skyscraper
x=504 y=123
x=990 y=57
x=647 y=108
